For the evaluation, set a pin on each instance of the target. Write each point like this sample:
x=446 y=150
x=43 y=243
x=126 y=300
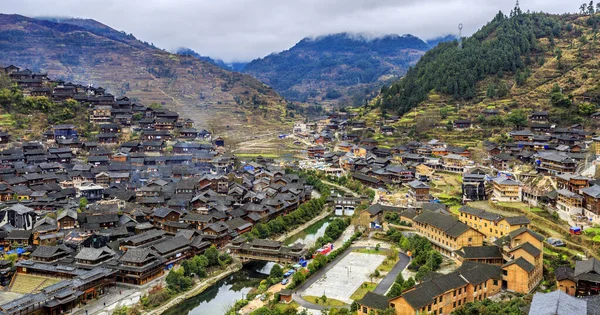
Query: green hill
x=514 y=65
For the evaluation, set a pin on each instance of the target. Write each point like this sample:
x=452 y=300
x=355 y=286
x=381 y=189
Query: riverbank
x=326 y=212
x=197 y=289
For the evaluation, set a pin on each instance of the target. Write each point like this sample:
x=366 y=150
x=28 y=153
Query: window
x=485 y=284
x=485 y=224
x=434 y=301
x=392 y=305
x=441 y=298
x=429 y=308
x=470 y=239
x=364 y=309
x=454 y=305
x=454 y=293
x=460 y=291
x=459 y=302
x=505 y=272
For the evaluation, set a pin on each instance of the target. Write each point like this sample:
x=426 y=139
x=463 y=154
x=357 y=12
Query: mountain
x=233 y=66
x=328 y=69
x=87 y=51
x=512 y=66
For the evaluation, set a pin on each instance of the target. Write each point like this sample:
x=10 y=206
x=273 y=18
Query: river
x=218 y=298
x=221 y=296
x=309 y=236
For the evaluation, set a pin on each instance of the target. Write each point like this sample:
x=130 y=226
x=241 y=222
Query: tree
x=517 y=118
x=434 y=259
x=324 y=298
x=422 y=273
x=177 y=281
x=83 y=202
x=583 y=8
x=212 y=255
x=377 y=247
x=586 y=109
x=298 y=278
x=276 y=272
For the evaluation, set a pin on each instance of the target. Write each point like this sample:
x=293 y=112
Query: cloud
x=241 y=30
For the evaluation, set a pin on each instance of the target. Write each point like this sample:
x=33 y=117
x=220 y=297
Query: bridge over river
x=266 y=250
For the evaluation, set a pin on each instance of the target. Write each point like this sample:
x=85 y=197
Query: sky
x=242 y=30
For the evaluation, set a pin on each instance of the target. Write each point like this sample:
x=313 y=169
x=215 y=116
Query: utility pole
x=460 y=27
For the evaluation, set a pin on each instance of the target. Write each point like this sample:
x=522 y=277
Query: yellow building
x=523 y=251
x=446 y=233
x=443 y=294
x=493 y=226
x=506 y=190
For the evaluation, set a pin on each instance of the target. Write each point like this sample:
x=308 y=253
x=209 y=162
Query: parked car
x=285 y=281
x=555 y=242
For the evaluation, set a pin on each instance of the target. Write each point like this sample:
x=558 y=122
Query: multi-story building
x=555 y=163
x=506 y=189
x=591 y=203
x=454 y=163
x=446 y=233
x=418 y=192
x=568 y=203
x=523 y=252
x=444 y=294
x=572 y=182
x=493 y=226
x=473 y=187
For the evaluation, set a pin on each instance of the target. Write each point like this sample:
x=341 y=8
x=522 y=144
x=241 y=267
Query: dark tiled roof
x=564 y=272
x=480 y=213
x=532 y=250
x=473 y=252
x=517 y=220
x=521 y=262
x=425 y=292
x=446 y=223
x=374 y=301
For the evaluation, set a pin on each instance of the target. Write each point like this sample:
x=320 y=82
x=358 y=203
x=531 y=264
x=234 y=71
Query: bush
x=177 y=281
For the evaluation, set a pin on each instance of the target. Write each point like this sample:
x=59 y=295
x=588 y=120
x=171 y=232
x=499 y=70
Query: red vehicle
x=575 y=230
x=326 y=249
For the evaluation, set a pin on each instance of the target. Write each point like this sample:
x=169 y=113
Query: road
x=386 y=283
x=383 y=286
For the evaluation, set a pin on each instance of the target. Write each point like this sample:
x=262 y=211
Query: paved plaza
x=341 y=281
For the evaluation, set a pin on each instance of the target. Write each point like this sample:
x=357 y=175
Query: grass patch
x=387 y=265
x=362 y=290
x=454 y=209
x=328 y=303
x=282 y=307
x=369 y=251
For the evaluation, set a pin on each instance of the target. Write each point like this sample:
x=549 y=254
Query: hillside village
x=109 y=196
x=92 y=212
x=542 y=168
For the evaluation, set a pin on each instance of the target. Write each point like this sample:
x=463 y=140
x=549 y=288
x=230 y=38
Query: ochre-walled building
x=446 y=233
x=493 y=226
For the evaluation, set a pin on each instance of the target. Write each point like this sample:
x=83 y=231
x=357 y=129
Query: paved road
x=386 y=283
x=383 y=286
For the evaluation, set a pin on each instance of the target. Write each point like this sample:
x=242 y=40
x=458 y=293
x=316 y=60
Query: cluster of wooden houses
x=145 y=209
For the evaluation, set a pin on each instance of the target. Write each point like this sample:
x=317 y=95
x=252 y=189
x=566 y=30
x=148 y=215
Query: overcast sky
x=241 y=30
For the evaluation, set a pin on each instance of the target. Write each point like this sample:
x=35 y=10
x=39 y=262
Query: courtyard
x=343 y=279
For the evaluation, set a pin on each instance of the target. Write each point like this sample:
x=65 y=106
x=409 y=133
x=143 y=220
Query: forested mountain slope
x=340 y=67
x=511 y=67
